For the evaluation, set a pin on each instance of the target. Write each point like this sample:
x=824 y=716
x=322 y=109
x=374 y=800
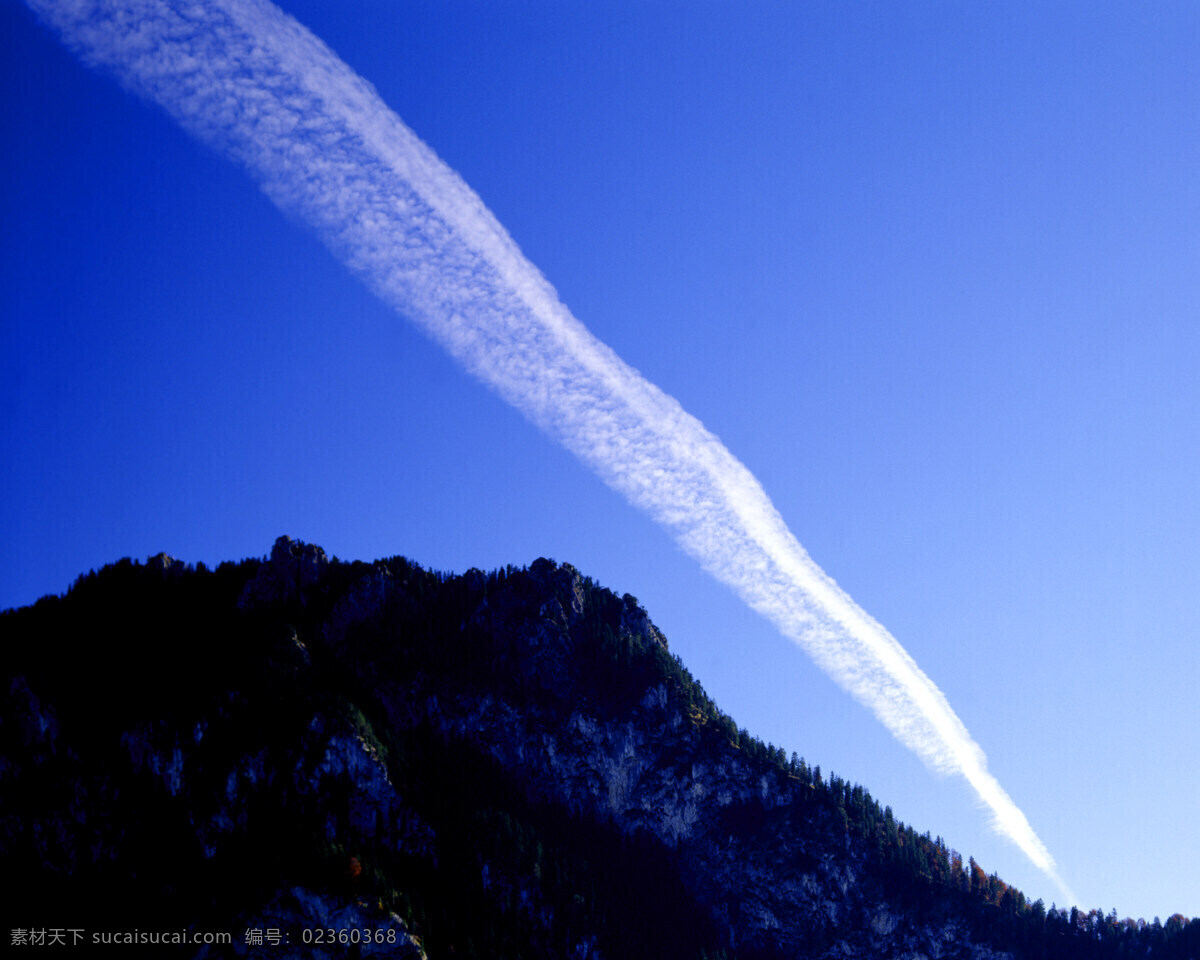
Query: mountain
x=315 y=758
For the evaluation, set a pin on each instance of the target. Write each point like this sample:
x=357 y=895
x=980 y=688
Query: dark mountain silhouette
x=320 y=758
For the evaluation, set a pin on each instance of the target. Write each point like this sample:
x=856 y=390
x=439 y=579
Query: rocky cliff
x=324 y=759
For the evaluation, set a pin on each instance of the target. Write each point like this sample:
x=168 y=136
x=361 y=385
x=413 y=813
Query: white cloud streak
x=249 y=80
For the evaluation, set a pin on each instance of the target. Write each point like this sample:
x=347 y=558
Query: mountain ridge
x=504 y=764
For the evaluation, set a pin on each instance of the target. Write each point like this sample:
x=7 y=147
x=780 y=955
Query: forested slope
x=481 y=765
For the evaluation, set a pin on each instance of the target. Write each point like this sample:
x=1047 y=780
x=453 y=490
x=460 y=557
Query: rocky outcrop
x=293 y=570
x=791 y=885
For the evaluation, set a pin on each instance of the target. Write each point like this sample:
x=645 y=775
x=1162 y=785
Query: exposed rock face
x=514 y=762
x=788 y=887
x=293 y=570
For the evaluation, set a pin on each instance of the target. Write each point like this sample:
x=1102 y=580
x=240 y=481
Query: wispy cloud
x=246 y=78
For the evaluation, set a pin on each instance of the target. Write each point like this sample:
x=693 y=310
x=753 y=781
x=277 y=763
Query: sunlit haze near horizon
x=929 y=276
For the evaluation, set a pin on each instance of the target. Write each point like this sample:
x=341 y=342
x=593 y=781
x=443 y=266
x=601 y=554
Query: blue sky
x=930 y=274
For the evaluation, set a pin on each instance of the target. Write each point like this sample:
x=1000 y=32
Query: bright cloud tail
x=249 y=80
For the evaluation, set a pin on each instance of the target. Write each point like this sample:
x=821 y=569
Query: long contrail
x=248 y=79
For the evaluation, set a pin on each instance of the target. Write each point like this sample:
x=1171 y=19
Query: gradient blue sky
x=929 y=271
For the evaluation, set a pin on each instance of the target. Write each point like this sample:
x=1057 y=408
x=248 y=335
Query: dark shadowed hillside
x=300 y=750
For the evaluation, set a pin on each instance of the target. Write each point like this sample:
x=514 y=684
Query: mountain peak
x=485 y=764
